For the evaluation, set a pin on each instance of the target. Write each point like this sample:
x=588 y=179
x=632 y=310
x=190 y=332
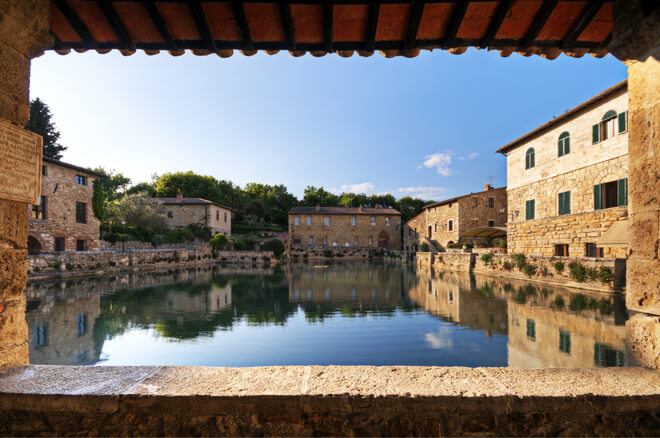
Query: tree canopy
x=40 y=123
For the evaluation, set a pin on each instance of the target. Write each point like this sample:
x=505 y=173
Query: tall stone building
x=182 y=211
x=444 y=223
x=568 y=181
x=345 y=226
x=64 y=220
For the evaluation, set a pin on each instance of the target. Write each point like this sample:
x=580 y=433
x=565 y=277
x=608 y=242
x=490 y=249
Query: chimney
x=488 y=187
x=179 y=197
x=378 y=206
x=318 y=207
x=360 y=208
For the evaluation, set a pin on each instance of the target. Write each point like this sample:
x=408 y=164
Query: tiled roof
x=584 y=106
x=448 y=201
x=344 y=210
x=190 y=201
x=71 y=166
x=393 y=27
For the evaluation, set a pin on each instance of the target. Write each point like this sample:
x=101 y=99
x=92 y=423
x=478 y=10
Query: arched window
x=564 y=144
x=608 y=126
x=529 y=158
x=609 y=115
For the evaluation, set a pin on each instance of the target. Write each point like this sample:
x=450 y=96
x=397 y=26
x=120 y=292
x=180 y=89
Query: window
x=309 y=220
x=611 y=194
x=591 y=250
x=225 y=217
x=491 y=202
x=564 y=144
x=450 y=225
x=529 y=209
x=564 y=341
x=217 y=216
x=59 y=244
x=40 y=335
x=353 y=220
x=296 y=220
x=606 y=356
x=435 y=227
x=609 y=125
x=81 y=212
x=531 y=329
x=81 y=324
x=529 y=158
x=39 y=211
x=373 y=220
x=296 y=241
x=388 y=221
x=561 y=250
x=564 y=203
x=371 y=241
x=325 y=240
x=81 y=179
x=491 y=223
x=44 y=171
x=170 y=215
x=327 y=220
x=81 y=245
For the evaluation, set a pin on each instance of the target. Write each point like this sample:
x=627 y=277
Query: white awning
x=617 y=235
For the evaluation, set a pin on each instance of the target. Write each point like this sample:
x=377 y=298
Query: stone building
x=345 y=226
x=443 y=223
x=568 y=181
x=182 y=211
x=64 y=220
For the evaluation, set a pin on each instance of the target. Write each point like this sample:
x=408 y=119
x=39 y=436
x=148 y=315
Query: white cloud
x=440 y=340
x=426 y=193
x=470 y=156
x=357 y=188
x=440 y=161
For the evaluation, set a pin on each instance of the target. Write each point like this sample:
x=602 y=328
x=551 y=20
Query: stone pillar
x=636 y=41
x=24 y=26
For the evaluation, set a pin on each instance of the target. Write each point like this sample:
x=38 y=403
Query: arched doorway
x=383 y=239
x=33 y=245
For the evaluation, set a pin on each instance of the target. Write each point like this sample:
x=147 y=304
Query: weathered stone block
x=645 y=235
x=13 y=224
x=14 y=110
x=13 y=329
x=643 y=340
x=14 y=355
x=25 y=25
x=13 y=273
x=642 y=293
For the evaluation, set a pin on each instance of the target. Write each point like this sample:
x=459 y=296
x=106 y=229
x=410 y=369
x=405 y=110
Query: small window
x=44 y=171
x=217 y=216
x=309 y=220
x=353 y=220
x=225 y=217
x=564 y=200
x=81 y=213
x=531 y=329
x=564 y=144
x=81 y=245
x=371 y=241
x=491 y=202
x=529 y=209
x=564 y=341
x=373 y=220
x=608 y=126
x=529 y=158
x=388 y=221
x=81 y=179
x=327 y=220
x=450 y=225
x=296 y=241
x=491 y=223
x=39 y=211
x=435 y=227
x=611 y=194
x=591 y=250
x=40 y=337
x=325 y=240
x=81 y=324
x=59 y=244
x=296 y=220
x=170 y=215
x=606 y=356
x=561 y=250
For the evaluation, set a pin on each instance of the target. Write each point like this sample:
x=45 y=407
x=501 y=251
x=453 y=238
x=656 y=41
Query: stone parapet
x=300 y=252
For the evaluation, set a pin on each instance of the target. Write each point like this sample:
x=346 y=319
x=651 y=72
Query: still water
x=344 y=314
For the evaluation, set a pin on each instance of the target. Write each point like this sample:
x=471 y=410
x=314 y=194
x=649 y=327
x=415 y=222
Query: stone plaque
x=20 y=164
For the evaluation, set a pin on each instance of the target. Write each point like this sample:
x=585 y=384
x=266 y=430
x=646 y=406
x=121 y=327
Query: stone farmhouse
x=64 y=220
x=182 y=211
x=345 y=226
x=444 y=223
x=568 y=182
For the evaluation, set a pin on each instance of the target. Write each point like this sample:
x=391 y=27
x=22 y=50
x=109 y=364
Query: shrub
x=529 y=270
x=605 y=306
x=577 y=302
x=178 y=235
x=424 y=247
x=276 y=246
x=240 y=245
x=487 y=258
x=507 y=265
x=578 y=272
x=605 y=275
x=519 y=260
x=219 y=242
x=592 y=274
x=559 y=302
x=559 y=267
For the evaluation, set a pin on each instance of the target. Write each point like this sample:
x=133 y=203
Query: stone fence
x=298 y=252
x=578 y=272
x=88 y=261
x=132 y=245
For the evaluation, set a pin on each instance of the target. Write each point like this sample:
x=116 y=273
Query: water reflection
x=346 y=313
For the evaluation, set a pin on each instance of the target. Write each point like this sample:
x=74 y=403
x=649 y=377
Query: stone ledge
x=330 y=400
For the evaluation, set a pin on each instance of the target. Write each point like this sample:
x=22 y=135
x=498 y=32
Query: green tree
x=113 y=183
x=276 y=201
x=192 y=185
x=140 y=210
x=143 y=187
x=410 y=207
x=40 y=123
x=313 y=196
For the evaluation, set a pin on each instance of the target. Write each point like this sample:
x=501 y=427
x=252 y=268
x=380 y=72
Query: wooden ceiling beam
x=372 y=26
x=502 y=9
x=202 y=25
x=328 y=19
x=75 y=22
x=160 y=24
x=539 y=21
x=460 y=7
x=287 y=25
x=241 y=19
x=117 y=25
x=416 y=11
x=587 y=15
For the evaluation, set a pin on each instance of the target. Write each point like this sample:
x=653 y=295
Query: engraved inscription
x=20 y=164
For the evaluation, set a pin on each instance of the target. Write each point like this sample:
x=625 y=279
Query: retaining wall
x=299 y=252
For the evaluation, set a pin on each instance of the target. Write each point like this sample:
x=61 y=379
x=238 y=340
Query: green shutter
x=622 y=122
x=567 y=202
x=597 y=197
x=596 y=133
x=622 y=198
x=529 y=209
x=560 y=149
x=567 y=145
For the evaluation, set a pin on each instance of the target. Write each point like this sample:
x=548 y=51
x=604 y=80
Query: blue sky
x=427 y=126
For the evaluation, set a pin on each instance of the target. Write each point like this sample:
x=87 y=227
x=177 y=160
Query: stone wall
x=453 y=261
x=539 y=237
x=203 y=214
x=301 y=252
x=136 y=244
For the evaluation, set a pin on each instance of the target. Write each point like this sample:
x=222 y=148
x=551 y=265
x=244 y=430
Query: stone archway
x=34 y=246
x=383 y=240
